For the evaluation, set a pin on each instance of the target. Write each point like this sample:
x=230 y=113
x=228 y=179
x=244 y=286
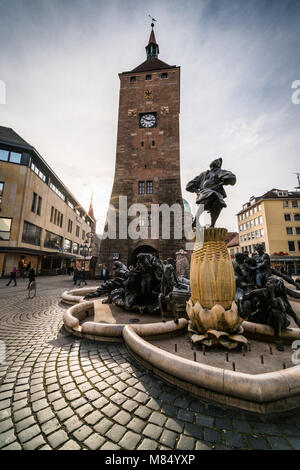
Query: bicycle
x=32 y=290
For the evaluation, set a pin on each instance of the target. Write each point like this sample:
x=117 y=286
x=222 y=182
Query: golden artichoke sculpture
x=216 y=325
x=212 y=311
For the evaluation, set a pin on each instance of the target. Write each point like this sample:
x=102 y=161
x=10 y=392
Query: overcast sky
x=60 y=61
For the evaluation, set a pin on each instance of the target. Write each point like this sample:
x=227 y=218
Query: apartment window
x=289 y=230
x=83 y=234
x=70 y=226
x=52 y=214
x=262 y=232
x=252 y=235
x=297 y=217
x=164 y=75
x=67 y=246
x=15 y=157
x=255 y=210
x=39 y=206
x=61 y=220
x=292 y=246
x=77 y=230
x=257 y=234
x=287 y=217
x=33 y=203
x=132 y=79
x=52 y=241
x=294 y=203
x=70 y=204
x=31 y=234
x=298 y=246
x=141 y=187
x=260 y=220
x=4 y=154
x=148 y=77
x=259 y=207
x=149 y=187
x=75 y=248
x=5 y=228
x=38 y=172
x=297 y=230
x=285 y=204
x=1 y=191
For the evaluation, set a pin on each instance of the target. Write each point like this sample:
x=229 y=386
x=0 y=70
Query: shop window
x=31 y=234
x=67 y=246
x=52 y=241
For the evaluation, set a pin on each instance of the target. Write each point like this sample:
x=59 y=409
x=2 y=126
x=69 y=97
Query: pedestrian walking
x=13 y=276
x=75 y=276
x=82 y=276
x=31 y=277
x=105 y=273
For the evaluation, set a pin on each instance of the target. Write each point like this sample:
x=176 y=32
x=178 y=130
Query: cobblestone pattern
x=58 y=392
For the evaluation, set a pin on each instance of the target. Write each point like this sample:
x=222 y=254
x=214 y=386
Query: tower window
x=153 y=143
x=149 y=187
x=132 y=79
x=148 y=77
x=142 y=143
x=164 y=75
x=141 y=187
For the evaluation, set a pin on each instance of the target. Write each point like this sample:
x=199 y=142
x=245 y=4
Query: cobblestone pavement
x=58 y=392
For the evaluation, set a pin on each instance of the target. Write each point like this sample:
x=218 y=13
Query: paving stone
x=70 y=445
x=25 y=423
x=130 y=440
x=186 y=443
x=147 y=444
x=175 y=425
x=84 y=410
x=203 y=420
x=110 y=410
x=211 y=435
x=295 y=442
x=82 y=433
x=110 y=446
x=202 y=446
x=152 y=431
x=100 y=403
x=73 y=423
x=142 y=412
x=29 y=433
x=14 y=446
x=257 y=443
x=116 y=433
x=234 y=440
x=182 y=403
x=6 y=425
x=64 y=413
x=57 y=438
x=94 y=417
x=104 y=425
x=130 y=405
x=193 y=430
x=94 y=442
x=122 y=418
x=223 y=423
x=36 y=442
x=168 y=438
x=7 y=438
x=40 y=405
x=242 y=426
x=186 y=415
x=278 y=443
x=50 y=426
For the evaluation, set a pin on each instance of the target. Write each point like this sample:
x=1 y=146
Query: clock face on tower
x=148 y=120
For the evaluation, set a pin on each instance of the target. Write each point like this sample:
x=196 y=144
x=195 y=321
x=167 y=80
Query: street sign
x=90 y=235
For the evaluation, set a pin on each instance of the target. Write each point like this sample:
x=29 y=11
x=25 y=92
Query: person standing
x=31 y=277
x=13 y=276
x=105 y=273
x=82 y=276
x=75 y=276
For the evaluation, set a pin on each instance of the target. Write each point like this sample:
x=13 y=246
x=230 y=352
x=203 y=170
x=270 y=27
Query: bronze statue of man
x=209 y=188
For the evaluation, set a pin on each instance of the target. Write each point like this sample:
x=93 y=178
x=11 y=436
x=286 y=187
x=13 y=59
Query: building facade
x=41 y=223
x=274 y=220
x=147 y=167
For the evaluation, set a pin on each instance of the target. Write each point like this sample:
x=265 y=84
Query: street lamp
x=85 y=249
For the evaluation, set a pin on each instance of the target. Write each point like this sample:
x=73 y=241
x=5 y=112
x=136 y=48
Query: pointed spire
x=152 y=48
x=91 y=209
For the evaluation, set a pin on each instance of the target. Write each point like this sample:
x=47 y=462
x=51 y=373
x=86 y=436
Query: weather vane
x=153 y=19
